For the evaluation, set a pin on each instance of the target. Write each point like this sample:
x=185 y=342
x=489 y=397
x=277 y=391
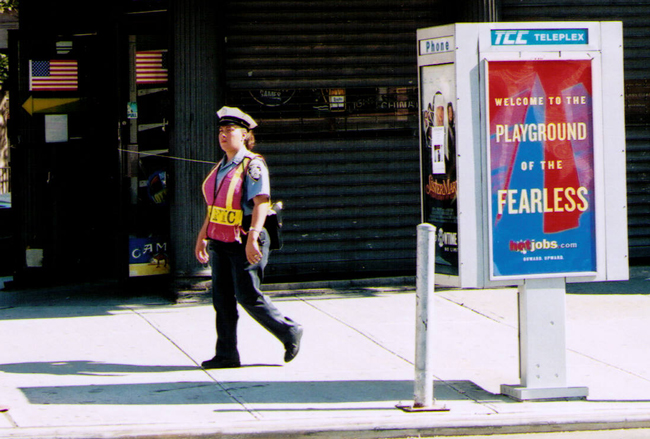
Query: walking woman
x=234 y=241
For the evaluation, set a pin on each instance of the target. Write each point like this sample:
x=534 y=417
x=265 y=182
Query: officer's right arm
x=201 y=247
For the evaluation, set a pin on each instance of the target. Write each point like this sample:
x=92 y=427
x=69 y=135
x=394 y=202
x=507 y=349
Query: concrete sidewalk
x=90 y=365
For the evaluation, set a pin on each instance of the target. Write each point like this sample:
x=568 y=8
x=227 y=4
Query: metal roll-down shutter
x=334 y=87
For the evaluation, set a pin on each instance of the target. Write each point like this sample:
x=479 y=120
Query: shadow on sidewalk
x=74 y=301
x=226 y=392
x=639 y=283
x=92 y=368
x=229 y=395
x=632 y=286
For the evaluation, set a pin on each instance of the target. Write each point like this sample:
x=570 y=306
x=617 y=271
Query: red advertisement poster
x=541 y=167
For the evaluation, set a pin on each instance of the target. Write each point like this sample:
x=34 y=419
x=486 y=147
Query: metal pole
x=425 y=285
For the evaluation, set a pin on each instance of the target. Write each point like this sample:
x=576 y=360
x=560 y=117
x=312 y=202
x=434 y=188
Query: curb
x=353 y=428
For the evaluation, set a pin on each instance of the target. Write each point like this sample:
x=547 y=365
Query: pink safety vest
x=224 y=203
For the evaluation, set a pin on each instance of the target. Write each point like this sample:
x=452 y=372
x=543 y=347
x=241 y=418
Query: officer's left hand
x=253 y=253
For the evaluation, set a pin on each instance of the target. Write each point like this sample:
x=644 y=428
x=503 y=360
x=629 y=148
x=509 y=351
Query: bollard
x=425 y=284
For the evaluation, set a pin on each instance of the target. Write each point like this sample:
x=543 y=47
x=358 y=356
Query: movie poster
x=541 y=163
x=148 y=256
x=438 y=100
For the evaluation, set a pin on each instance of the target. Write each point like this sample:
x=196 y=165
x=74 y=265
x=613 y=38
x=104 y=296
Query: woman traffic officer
x=237 y=192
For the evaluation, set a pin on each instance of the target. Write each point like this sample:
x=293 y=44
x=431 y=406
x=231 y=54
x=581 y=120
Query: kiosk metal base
x=521 y=393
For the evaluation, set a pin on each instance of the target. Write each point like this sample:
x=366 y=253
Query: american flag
x=151 y=67
x=53 y=75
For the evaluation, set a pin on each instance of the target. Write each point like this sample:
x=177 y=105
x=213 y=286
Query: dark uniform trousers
x=234 y=280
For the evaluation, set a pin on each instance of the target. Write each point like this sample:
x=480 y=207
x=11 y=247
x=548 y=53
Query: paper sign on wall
x=56 y=128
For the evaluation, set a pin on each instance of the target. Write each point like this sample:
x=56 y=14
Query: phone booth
x=523 y=170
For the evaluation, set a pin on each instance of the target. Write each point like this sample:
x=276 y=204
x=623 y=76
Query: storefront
x=90 y=113
x=334 y=87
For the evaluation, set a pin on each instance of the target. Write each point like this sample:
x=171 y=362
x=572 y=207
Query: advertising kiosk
x=522 y=141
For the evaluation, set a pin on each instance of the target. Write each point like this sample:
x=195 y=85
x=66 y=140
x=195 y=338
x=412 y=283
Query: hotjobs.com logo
x=530 y=245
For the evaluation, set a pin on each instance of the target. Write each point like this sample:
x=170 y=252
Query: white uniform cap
x=234 y=116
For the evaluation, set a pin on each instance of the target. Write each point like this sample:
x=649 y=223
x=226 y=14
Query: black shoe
x=220 y=363
x=292 y=348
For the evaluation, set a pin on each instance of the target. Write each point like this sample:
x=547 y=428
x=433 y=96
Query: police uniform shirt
x=256 y=181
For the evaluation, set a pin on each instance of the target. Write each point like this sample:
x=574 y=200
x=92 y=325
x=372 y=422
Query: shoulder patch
x=255 y=169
